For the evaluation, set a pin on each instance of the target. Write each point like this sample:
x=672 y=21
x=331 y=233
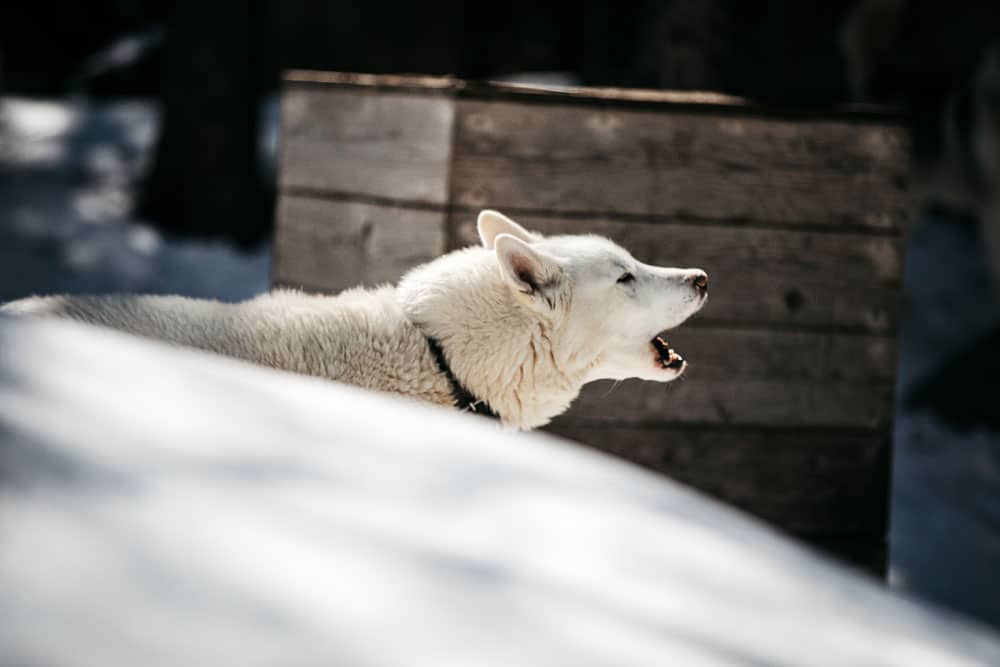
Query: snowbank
x=165 y=507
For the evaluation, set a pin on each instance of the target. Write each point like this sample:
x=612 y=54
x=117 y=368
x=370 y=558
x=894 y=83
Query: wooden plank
x=391 y=146
x=809 y=484
x=745 y=401
x=325 y=245
x=679 y=165
x=758 y=378
x=758 y=276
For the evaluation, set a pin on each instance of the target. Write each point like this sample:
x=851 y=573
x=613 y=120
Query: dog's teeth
x=667 y=356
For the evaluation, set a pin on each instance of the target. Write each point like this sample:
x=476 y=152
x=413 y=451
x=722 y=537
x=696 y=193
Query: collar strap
x=465 y=400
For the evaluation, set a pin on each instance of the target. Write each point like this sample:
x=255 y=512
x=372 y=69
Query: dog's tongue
x=667 y=357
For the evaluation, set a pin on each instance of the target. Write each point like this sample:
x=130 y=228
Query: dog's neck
x=519 y=360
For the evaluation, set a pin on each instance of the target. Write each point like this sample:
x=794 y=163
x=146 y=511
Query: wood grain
x=582 y=160
x=758 y=378
x=736 y=376
x=728 y=354
x=807 y=483
x=393 y=146
x=758 y=276
x=745 y=401
x=325 y=245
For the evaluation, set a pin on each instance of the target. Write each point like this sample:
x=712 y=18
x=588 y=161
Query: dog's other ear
x=492 y=224
x=527 y=270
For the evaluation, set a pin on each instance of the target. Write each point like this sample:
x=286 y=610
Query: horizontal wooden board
x=810 y=484
x=760 y=378
x=745 y=401
x=758 y=276
x=729 y=354
x=393 y=146
x=570 y=159
x=331 y=245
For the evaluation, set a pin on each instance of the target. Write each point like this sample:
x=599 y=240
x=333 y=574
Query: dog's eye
x=626 y=278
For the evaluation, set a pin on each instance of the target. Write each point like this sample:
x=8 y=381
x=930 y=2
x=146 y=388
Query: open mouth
x=665 y=354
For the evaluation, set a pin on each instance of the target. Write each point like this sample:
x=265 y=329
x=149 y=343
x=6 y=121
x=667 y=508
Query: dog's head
x=612 y=306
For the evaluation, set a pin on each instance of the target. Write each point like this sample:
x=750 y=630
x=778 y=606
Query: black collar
x=465 y=400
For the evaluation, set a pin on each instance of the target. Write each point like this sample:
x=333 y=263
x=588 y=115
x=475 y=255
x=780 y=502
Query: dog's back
x=179 y=320
x=360 y=336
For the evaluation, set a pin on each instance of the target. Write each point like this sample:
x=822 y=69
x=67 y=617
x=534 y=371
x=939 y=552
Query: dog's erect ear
x=527 y=270
x=492 y=224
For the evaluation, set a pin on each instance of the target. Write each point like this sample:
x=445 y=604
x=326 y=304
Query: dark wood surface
x=807 y=481
x=696 y=166
x=739 y=401
x=786 y=410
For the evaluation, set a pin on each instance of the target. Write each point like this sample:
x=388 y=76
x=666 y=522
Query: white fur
x=524 y=321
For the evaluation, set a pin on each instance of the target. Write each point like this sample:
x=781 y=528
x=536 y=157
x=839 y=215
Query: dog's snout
x=699 y=279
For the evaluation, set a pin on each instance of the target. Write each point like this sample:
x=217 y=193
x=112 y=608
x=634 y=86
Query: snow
x=945 y=522
x=162 y=506
x=68 y=176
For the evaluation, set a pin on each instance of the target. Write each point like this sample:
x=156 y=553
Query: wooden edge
x=636 y=98
x=407 y=82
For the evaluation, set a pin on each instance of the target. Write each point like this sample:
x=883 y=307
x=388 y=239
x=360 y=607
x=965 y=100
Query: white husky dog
x=515 y=327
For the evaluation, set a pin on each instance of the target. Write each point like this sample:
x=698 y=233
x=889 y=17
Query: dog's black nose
x=700 y=281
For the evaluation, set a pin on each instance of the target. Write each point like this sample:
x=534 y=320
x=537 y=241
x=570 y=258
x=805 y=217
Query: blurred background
x=138 y=146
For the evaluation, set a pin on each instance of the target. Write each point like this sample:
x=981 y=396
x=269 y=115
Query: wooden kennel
x=786 y=410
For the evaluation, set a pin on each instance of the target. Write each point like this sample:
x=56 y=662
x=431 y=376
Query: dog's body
x=523 y=323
